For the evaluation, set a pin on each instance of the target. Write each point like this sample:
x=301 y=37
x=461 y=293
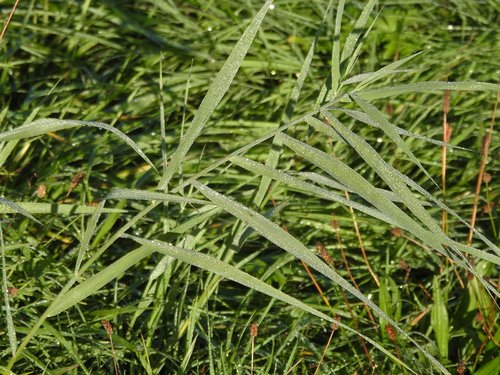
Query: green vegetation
x=237 y=187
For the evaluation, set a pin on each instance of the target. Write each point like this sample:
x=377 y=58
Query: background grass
x=103 y=61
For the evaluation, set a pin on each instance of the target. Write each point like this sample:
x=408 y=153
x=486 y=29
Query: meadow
x=249 y=187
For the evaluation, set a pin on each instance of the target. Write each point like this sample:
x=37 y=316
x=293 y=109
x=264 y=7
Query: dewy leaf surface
x=287 y=242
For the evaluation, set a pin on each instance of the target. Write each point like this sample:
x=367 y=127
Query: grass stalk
x=482 y=166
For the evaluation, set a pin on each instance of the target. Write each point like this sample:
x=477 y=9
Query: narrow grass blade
x=384 y=170
x=134 y=194
x=368 y=78
x=439 y=319
x=275 y=151
x=349 y=177
x=384 y=302
x=364 y=118
x=6 y=149
x=93 y=284
x=227 y=271
x=311 y=189
x=287 y=242
x=15 y=208
x=390 y=130
x=353 y=38
x=87 y=235
x=335 y=72
x=11 y=328
x=217 y=90
x=384 y=92
x=54 y=208
x=44 y=126
x=442 y=206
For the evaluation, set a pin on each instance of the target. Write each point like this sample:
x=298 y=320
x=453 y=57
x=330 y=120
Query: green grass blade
x=275 y=151
x=385 y=171
x=43 y=126
x=135 y=194
x=7 y=206
x=96 y=282
x=363 y=117
x=311 y=189
x=442 y=206
x=54 y=208
x=439 y=319
x=87 y=235
x=11 y=328
x=217 y=90
x=353 y=38
x=384 y=92
x=354 y=181
x=390 y=130
x=227 y=271
x=368 y=78
x=335 y=72
x=287 y=242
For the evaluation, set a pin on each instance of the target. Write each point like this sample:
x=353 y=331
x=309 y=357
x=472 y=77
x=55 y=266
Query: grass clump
x=168 y=167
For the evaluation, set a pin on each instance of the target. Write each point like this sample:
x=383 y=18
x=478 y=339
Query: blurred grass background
x=101 y=61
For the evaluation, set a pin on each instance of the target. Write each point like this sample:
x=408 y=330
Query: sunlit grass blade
x=43 y=126
x=7 y=206
x=287 y=242
x=227 y=271
x=349 y=177
x=364 y=118
x=439 y=319
x=275 y=150
x=390 y=131
x=353 y=38
x=309 y=188
x=11 y=328
x=134 y=194
x=385 y=171
x=217 y=90
x=443 y=206
x=54 y=208
x=87 y=235
x=384 y=92
x=365 y=79
x=96 y=282
x=399 y=187
x=335 y=70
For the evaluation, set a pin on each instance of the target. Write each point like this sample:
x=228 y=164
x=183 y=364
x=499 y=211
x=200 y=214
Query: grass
x=249 y=187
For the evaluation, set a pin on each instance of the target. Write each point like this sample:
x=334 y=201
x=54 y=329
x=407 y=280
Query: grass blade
x=227 y=271
x=286 y=241
x=384 y=92
x=96 y=282
x=13 y=207
x=11 y=329
x=336 y=50
x=390 y=130
x=53 y=208
x=217 y=90
x=353 y=38
x=134 y=194
x=439 y=319
x=43 y=126
x=296 y=183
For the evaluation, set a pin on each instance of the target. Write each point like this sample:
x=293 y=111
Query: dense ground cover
x=221 y=192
